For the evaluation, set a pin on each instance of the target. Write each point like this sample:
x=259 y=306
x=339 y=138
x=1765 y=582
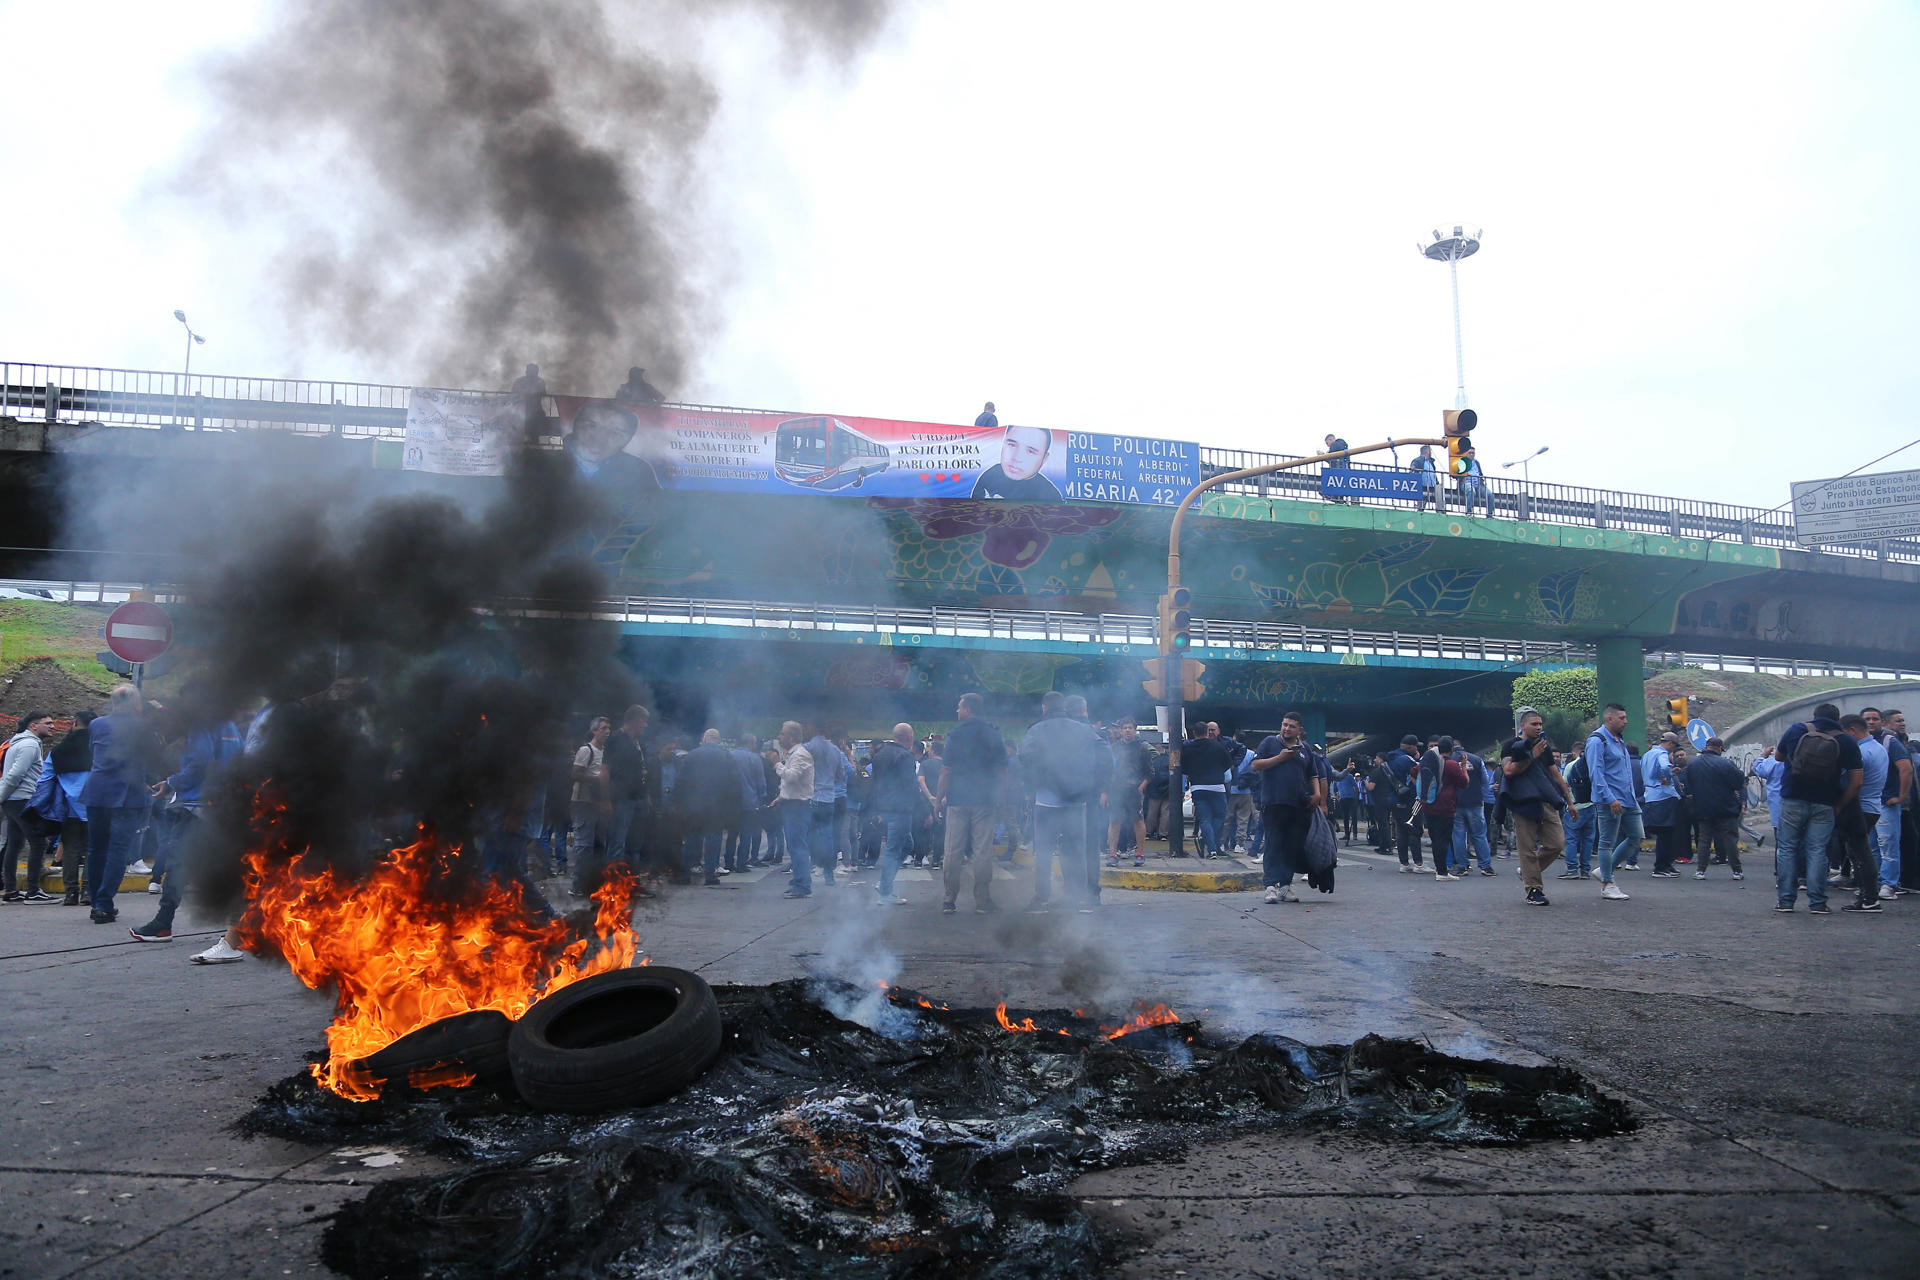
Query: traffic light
x=1156 y=682
x=1191 y=690
x=1677 y=714
x=1459 y=425
x=1176 y=621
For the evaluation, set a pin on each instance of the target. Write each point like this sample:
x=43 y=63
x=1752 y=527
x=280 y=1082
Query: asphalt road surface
x=1774 y=1061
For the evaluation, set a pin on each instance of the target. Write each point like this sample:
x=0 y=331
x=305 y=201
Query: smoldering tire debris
x=622 y=1039
x=817 y=1147
x=473 y=1044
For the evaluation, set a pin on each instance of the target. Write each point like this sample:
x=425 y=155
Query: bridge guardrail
x=365 y=410
x=1040 y=624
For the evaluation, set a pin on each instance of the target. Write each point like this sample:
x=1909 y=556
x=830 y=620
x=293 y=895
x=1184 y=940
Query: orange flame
x=410 y=943
x=1025 y=1024
x=1148 y=1015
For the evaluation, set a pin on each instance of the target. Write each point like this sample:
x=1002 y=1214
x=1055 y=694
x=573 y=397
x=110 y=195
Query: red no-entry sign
x=139 y=631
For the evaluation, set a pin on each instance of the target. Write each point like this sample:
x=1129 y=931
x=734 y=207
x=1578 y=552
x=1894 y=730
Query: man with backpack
x=1823 y=773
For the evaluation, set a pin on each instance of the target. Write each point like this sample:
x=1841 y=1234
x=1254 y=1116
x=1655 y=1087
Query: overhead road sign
x=138 y=631
x=1370 y=482
x=1857 y=508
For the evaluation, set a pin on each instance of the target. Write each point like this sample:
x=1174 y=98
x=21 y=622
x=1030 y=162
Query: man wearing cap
x=1718 y=789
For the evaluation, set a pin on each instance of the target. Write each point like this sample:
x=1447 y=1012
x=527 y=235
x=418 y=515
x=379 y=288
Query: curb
x=1180 y=881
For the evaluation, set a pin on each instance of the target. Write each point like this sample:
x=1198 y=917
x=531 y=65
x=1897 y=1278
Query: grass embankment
x=69 y=634
x=1725 y=698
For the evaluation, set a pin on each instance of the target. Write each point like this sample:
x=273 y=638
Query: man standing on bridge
x=987 y=418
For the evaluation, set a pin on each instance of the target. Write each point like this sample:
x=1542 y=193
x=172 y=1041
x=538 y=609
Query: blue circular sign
x=1698 y=731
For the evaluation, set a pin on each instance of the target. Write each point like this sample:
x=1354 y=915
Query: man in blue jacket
x=116 y=795
x=186 y=794
x=1611 y=768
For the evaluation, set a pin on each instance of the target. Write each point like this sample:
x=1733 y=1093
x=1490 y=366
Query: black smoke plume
x=464 y=184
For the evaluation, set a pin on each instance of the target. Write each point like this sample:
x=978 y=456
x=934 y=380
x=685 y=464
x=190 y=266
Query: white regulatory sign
x=1857 y=509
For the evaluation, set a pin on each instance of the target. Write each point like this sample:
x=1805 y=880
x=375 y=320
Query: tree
x=1568 y=701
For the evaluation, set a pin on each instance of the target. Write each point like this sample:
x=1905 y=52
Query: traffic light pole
x=1176 y=711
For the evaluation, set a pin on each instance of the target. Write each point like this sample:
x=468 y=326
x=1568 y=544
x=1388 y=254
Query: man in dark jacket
x=1406 y=831
x=1127 y=793
x=894 y=799
x=972 y=789
x=1537 y=797
x=1815 y=785
x=1718 y=787
x=1291 y=789
x=706 y=790
x=631 y=785
x=1205 y=761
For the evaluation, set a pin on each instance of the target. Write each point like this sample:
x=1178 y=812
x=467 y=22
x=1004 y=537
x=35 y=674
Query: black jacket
x=1716 y=785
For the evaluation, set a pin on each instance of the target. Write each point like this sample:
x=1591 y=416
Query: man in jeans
x=1470 y=815
x=1887 y=728
x=1581 y=820
x=1206 y=761
x=973 y=775
x=1814 y=785
x=1536 y=797
x=18 y=782
x=1611 y=769
x=1855 y=822
x=795 y=767
x=1719 y=792
x=1068 y=764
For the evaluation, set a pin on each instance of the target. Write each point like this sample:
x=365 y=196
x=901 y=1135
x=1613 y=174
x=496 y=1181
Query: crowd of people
x=1077 y=792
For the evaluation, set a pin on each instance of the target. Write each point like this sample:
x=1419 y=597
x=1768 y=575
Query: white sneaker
x=1739 y=875
x=1699 y=875
x=1444 y=876
x=1614 y=892
x=140 y=868
x=1887 y=894
x=1595 y=873
x=1406 y=869
x=1273 y=893
x=219 y=953
x=1288 y=895
x=154 y=886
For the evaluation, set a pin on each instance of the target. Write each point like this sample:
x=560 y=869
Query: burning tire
x=476 y=1041
x=621 y=1039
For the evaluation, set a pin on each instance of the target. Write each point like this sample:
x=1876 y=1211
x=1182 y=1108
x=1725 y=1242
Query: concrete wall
x=1764 y=730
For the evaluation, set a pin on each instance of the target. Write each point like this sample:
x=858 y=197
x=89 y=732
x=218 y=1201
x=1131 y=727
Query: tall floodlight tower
x=1450 y=249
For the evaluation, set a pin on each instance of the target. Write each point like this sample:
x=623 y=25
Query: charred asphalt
x=1767 y=1061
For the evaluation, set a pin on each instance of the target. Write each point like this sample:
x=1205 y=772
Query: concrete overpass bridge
x=1555 y=565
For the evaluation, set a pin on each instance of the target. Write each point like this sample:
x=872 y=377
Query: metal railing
x=1045 y=625
x=365 y=410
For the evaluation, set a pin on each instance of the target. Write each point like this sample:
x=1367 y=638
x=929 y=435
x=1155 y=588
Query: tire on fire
x=621 y=1039
x=476 y=1041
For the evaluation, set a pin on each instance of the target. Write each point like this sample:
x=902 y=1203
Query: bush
x=1568 y=701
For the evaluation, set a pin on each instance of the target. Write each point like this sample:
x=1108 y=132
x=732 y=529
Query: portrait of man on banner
x=597 y=441
x=1017 y=476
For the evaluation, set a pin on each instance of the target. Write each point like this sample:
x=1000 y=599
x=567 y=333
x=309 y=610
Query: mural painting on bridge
x=908 y=552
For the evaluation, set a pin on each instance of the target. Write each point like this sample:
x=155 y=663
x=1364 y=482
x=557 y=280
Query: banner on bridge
x=1857 y=508
x=633 y=448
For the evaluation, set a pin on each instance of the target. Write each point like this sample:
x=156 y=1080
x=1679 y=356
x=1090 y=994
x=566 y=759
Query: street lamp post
x=1526 y=471
x=186 y=376
x=1450 y=249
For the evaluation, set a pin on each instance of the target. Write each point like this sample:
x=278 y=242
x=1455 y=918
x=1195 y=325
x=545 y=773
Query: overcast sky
x=1700 y=271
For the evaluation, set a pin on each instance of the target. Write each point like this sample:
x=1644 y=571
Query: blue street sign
x=1369 y=482
x=1698 y=731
